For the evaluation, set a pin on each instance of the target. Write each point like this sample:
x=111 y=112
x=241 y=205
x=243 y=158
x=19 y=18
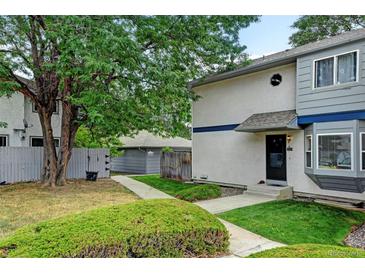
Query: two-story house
x=294 y=118
x=23 y=126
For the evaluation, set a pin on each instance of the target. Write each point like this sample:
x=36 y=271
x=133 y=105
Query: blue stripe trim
x=332 y=117
x=215 y=128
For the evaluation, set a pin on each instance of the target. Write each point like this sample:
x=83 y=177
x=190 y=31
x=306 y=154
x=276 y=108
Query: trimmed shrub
x=153 y=228
x=201 y=192
x=311 y=251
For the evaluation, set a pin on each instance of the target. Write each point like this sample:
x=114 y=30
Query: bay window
x=334 y=151
x=308 y=151
x=337 y=69
x=362 y=150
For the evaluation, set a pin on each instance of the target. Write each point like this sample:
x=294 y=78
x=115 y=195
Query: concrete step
x=277 y=192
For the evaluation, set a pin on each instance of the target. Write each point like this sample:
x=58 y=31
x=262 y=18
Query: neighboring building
x=24 y=128
x=293 y=118
x=141 y=154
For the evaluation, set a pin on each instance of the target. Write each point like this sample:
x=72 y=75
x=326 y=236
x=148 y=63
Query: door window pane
x=334 y=151
x=346 y=68
x=324 y=72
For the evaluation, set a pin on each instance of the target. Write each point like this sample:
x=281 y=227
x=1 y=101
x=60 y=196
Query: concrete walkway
x=220 y=205
x=242 y=242
x=140 y=189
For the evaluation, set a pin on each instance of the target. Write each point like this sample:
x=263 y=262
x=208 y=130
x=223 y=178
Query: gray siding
x=345 y=97
x=132 y=161
x=153 y=162
x=139 y=161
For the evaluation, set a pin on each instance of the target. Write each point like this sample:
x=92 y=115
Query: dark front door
x=276 y=157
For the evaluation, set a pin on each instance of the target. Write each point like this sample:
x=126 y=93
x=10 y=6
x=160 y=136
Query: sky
x=269 y=35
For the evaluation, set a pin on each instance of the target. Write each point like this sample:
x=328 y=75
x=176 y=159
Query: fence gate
x=176 y=165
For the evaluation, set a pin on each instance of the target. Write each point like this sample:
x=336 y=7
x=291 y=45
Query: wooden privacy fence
x=19 y=164
x=176 y=165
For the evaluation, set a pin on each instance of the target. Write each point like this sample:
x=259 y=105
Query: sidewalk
x=242 y=242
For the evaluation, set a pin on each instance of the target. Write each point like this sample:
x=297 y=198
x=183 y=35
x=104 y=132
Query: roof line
x=291 y=57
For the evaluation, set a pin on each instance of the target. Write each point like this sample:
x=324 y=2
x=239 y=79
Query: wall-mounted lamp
x=289 y=139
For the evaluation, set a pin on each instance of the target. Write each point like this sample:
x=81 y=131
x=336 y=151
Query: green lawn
x=311 y=251
x=293 y=222
x=181 y=190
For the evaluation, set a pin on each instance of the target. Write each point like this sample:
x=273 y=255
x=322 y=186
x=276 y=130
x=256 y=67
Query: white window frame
x=333 y=134
x=311 y=151
x=335 y=84
x=6 y=139
x=40 y=137
x=362 y=150
x=57 y=112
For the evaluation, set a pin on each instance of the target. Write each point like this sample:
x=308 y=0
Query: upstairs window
x=55 y=108
x=324 y=72
x=346 y=68
x=336 y=70
x=3 y=140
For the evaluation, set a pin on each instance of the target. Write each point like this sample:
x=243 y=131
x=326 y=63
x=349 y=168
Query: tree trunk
x=50 y=161
x=69 y=128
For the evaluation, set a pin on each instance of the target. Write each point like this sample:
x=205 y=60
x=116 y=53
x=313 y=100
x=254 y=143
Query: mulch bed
x=356 y=238
x=231 y=191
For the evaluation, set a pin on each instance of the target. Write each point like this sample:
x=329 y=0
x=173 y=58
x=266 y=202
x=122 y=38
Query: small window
x=38 y=142
x=3 y=140
x=308 y=151
x=346 y=68
x=335 y=151
x=55 y=109
x=362 y=151
x=324 y=72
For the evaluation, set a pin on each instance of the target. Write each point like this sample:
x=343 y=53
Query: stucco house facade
x=294 y=118
x=23 y=126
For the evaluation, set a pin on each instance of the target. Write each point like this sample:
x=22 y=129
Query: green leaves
x=127 y=73
x=312 y=28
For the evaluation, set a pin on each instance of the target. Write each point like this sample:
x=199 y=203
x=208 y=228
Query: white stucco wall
x=12 y=112
x=16 y=108
x=35 y=129
x=239 y=158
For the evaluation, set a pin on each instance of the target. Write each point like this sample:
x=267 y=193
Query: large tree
x=120 y=74
x=311 y=28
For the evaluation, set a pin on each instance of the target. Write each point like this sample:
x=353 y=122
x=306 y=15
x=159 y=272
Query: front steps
x=276 y=192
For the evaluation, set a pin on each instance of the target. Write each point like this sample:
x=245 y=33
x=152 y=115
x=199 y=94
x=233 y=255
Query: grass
x=184 y=191
x=27 y=203
x=311 y=251
x=294 y=222
x=149 y=228
x=201 y=192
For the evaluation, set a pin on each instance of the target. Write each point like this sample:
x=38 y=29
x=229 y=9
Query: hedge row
x=154 y=228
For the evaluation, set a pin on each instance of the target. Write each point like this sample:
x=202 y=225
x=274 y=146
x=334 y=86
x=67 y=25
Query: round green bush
x=311 y=251
x=153 y=228
x=198 y=193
